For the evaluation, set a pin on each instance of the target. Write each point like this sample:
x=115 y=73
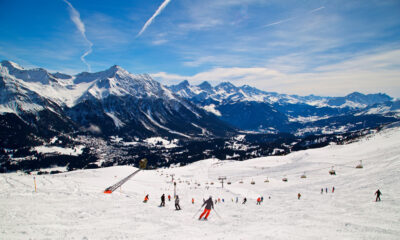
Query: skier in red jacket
x=209 y=204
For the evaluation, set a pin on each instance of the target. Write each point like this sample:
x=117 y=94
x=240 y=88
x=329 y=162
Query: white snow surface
x=73 y=206
x=211 y=108
x=159 y=141
x=60 y=150
x=117 y=122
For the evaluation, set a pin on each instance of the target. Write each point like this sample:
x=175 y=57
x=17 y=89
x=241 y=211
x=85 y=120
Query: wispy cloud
x=76 y=19
x=292 y=18
x=159 y=10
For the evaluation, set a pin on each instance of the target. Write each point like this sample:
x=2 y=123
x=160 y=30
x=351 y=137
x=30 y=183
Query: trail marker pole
x=34 y=181
x=174 y=190
x=222 y=180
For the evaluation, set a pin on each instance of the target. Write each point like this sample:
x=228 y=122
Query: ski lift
x=284 y=179
x=332 y=171
x=266 y=180
x=252 y=182
x=304 y=175
x=360 y=165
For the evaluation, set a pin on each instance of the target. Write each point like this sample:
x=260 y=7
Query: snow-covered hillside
x=73 y=206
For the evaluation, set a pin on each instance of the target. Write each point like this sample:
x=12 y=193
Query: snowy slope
x=72 y=205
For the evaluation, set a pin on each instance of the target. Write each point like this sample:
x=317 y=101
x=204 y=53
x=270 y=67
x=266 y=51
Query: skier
x=258 y=201
x=177 y=207
x=378 y=195
x=169 y=198
x=326 y=190
x=209 y=204
x=244 y=201
x=322 y=190
x=162 y=200
x=298 y=196
x=333 y=189
x=262 y=199
x=192 y=200
x=146 y=198
x=237 y=199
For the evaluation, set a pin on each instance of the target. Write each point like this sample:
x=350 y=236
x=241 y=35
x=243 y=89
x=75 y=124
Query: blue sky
x=297 y=47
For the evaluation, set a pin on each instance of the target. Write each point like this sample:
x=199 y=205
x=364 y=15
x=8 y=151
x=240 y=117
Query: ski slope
x=73 y=206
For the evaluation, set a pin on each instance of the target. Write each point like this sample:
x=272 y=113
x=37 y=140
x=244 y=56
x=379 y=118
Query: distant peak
x=9 y=64
x=205 y=85
x=355 y=94
x=184 y=83
x=115 y=68
x=226 y=84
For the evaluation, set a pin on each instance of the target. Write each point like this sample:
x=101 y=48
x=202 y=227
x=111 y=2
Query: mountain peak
x=205 y=86
x=228 y=84
x=10 y=64
x=184 y=83
x=115 y=69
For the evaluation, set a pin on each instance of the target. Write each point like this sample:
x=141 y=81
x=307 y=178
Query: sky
x=320 y=47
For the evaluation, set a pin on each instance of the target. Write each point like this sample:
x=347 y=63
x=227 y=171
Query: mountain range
x=115 y=117
x=251 y=109
x=116 y=102
x=106 y=103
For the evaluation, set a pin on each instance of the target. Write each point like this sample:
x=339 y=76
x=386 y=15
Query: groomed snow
x=73 y=206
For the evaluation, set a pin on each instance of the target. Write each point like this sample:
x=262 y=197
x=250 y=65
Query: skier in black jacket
x=209 y=204
x=162 y=201
x=378 y=196
x=177 y=206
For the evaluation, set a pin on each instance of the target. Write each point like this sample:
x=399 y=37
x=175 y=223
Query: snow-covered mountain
x=226 y=92
x=109 y=102
x=271 y=112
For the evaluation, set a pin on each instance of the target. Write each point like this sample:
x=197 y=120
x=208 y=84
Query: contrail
x=316 y=10
x=279 y=22
x=292 y=18
x=159 y=10
x=76 y=19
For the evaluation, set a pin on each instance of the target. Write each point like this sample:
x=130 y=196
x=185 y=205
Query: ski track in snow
x=72 y=205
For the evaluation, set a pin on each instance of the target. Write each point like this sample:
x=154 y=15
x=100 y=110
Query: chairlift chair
x=229 y=183
x=252 y=182
x=284 y=179
x=266 y=180
x=304 y=175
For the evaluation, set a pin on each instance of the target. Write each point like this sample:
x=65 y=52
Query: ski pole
x=197 y=212
x=217 y=214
